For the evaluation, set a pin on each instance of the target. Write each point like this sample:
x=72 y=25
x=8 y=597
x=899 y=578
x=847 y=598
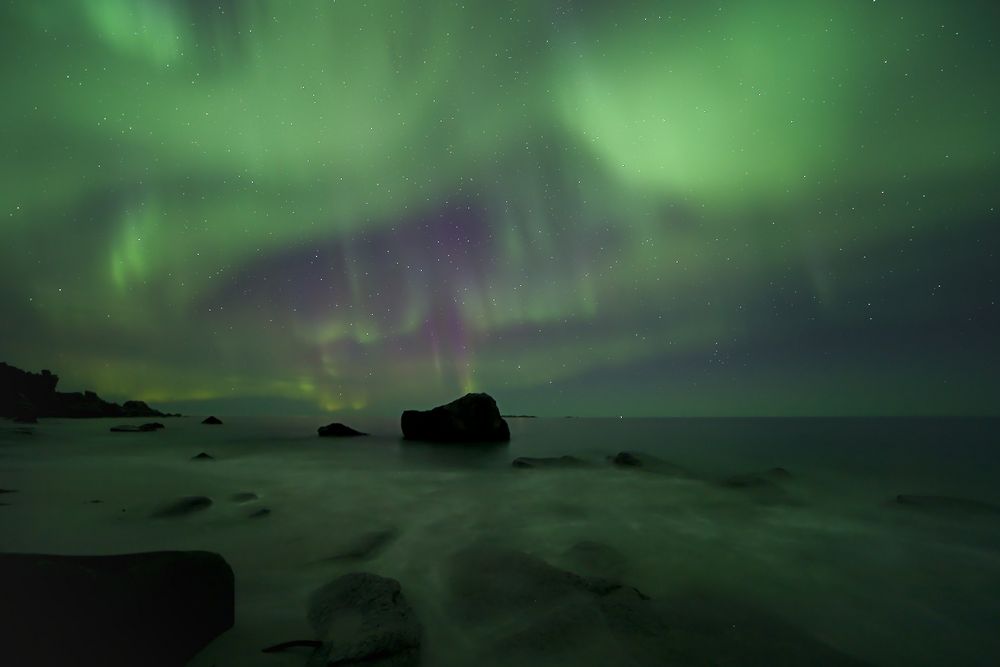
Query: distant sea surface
x=828 y=549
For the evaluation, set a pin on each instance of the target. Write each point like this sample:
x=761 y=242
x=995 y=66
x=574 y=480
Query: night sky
x=585 y=208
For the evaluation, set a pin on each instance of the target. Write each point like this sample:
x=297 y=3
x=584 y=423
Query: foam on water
x=835 y=557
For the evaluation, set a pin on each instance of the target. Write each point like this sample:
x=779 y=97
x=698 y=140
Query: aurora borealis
x=635 y=208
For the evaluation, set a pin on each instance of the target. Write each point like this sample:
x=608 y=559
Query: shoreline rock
x=25 y=396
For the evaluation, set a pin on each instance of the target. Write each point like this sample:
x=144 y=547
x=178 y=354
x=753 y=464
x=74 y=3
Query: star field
x=636 y=208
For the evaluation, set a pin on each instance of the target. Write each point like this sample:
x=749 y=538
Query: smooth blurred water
x=839 y=559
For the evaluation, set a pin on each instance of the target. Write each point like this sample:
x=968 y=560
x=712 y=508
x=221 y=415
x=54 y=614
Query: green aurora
x=634 y=208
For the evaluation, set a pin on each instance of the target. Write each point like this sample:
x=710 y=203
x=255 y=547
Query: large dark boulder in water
x=337 y=430
x=213 y=420
x=472 y=418
x=157 y=609
x=364 y=619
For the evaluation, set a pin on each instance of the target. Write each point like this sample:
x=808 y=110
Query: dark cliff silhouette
x=26 y=396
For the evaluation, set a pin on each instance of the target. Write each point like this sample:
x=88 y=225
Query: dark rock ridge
x=140 y=428
x=203 y=456
x=213 y=420
x=183 y=507
x=548 y=462
x=364 y=619
x=337 y=430
x=25 y=395
x=472 y=418
x=157 y=609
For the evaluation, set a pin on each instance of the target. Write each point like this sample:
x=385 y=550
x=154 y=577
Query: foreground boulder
x=337 y=430
x=472 y=418
x=154 y=609
x=362 y=618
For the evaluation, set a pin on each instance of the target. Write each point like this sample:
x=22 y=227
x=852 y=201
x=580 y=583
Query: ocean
x=826 y=552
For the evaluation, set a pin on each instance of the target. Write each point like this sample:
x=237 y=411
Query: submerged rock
x=596 y=559
x=548 y=614
x=245 y=497
x=141 y=428
x=337 y=430
x=365 y=546
x=647 y=462
x=521 y=610
x=157 y=609
x=213 y=420
x=203 y=456
x=365 y=619
x=183 y=507
x=946 y=504
x=548 y=462
x=472 y=418
x=261 y=513
x=768 y=478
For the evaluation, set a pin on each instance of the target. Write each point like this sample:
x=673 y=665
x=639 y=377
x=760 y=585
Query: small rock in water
x=337 y=430
x=548 y=462
x=647 y=462
x=245 y=497
x=204 y=456
x=142 y=428
x=364 y=619
x=211 y=420
x=633 y=459
x=262 y=512
x=183 y=507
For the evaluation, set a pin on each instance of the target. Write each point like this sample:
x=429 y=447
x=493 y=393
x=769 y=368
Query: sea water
x=837 y=558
